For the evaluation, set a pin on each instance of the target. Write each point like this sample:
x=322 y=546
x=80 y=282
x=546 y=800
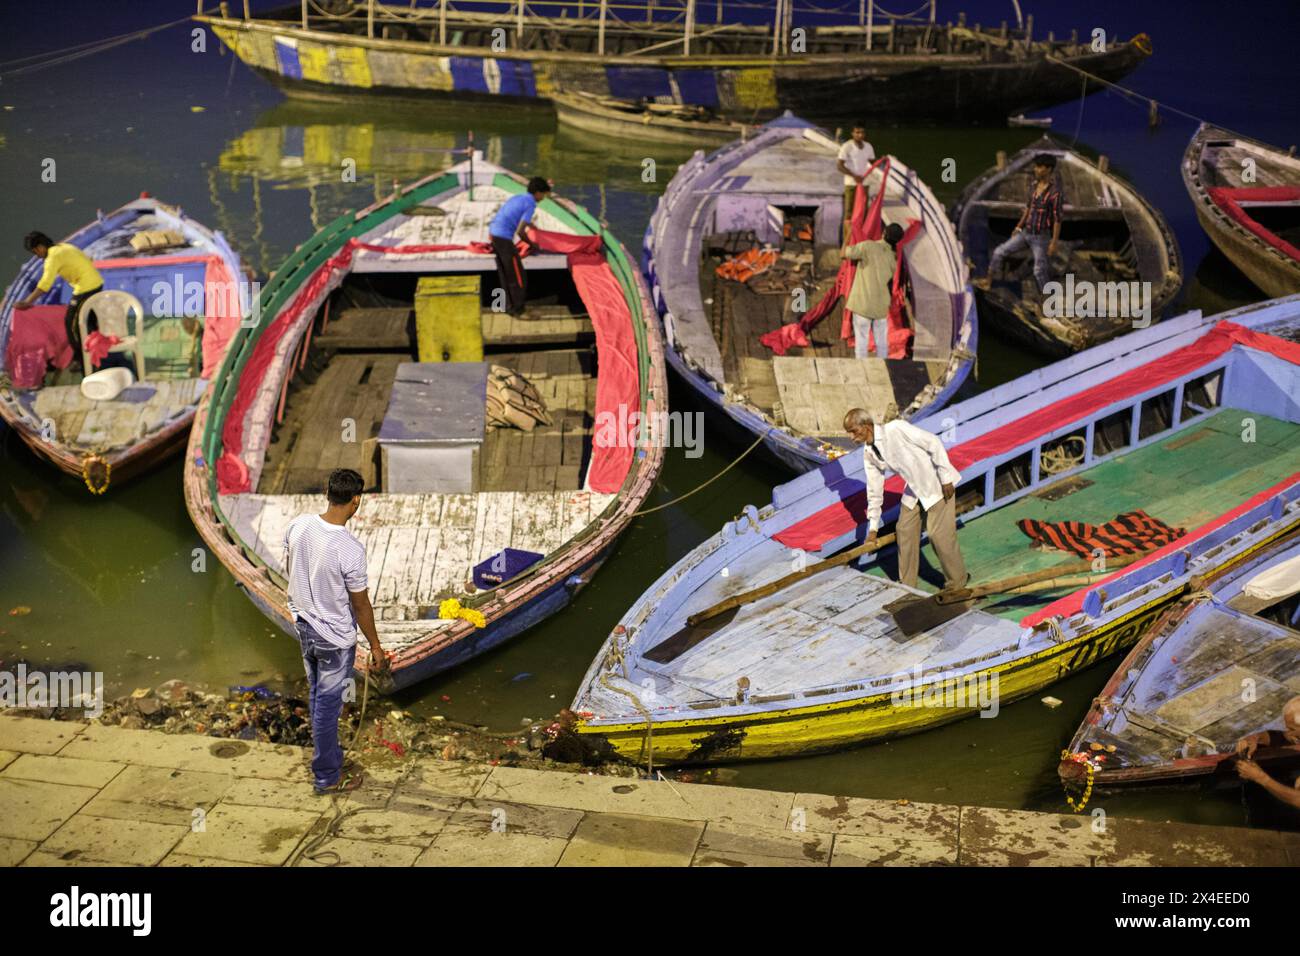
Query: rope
x=701 y=487
x=41 y=61
x=1132 y=95
x=1056 y=460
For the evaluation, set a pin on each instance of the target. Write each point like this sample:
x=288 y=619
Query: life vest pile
x=513 y=401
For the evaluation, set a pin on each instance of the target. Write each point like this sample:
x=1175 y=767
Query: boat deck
x=170 y=388
x=1185 y=481
x=832 y=627
x=1192 y=687
x=309 y=443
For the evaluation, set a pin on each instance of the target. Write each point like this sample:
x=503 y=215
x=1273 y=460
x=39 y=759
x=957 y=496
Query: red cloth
x=36 y=338
x=1227 y=199
x=222 y=301
x=618 y=385
x=1073 y=603
x=813 y=532
x=98 y=346
x=864 y=224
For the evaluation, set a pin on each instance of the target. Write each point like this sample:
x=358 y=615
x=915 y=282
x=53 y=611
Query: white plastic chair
x=113 y=308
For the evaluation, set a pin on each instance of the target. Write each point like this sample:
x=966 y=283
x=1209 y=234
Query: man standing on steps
x=514 y=214
x=326 y=569
x=919 y=458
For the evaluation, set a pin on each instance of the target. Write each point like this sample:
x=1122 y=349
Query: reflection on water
x=113 y=583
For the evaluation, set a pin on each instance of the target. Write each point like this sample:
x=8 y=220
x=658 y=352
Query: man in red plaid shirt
x=1039 y=227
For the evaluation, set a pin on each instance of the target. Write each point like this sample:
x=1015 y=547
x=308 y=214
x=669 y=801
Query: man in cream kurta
x=919 y=458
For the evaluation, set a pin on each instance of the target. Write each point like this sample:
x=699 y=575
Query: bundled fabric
x=745 y=265
x=37 y=339
x=1129 y=533
x=867 y=223
x=513 y=401
x=148 y=239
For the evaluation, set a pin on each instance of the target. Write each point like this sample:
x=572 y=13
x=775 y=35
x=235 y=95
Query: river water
x=111 y=583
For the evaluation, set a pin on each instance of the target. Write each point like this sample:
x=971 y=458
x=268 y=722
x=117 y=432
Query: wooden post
x=519 y=23
x=718 y=18
x=892 y=27
x=932 y=3
x=649 y=11
x=776 y=28
x=600 y=31
x=442 y=22
x=247 y=15
x=871 y=20
x=1029 y=30
x=304 y=14
x=789 y=26
x=690 y=27
x=370 y=18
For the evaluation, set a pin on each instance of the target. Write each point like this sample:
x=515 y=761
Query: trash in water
x=523 y=675
x=19 y=611
x=257 y=691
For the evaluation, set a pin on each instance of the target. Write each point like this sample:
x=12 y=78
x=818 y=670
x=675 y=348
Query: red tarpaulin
x=1227 y=199
x=813 y=532
x=618 y=384
x=865 y=224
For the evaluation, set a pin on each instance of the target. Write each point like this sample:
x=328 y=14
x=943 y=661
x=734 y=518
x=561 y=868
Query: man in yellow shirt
x=64 y=260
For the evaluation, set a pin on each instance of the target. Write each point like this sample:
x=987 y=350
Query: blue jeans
x=328 y=669
x=1037 y=243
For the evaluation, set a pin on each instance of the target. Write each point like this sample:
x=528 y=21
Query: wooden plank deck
x=421 y=548
x=142 y=409
x=377 y=329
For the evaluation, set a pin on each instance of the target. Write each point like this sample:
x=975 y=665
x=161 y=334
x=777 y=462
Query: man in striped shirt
x=1039 y=227
x=326 y=569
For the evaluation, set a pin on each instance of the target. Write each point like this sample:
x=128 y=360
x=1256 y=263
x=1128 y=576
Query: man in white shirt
x=326 y=570
x=919 y=458
x=855 y=157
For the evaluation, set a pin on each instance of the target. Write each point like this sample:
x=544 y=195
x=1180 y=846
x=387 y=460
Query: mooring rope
x=41 y=61
x=701 y=487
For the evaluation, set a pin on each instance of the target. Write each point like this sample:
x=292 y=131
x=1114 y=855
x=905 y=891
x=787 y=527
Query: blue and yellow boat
x=1195 y=420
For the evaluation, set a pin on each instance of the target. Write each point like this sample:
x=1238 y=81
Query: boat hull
x=314 y=63
x=827 y=727
x=571 y=111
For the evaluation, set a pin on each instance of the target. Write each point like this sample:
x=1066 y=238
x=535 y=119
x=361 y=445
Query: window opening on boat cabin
x=1011 y=476
x=1112 y=432
x=1157 y=415
x=970 y=494
x=1202 y=394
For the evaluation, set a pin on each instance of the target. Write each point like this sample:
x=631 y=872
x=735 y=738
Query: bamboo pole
x=304 y=14
x=776 y=28
x=247 y=15
x=689 y=28
x=600 y=33
x=650 y=11
x=932 y=10
x=442 y=22
x=519 y=22
x=871 y=20
x=370 y=18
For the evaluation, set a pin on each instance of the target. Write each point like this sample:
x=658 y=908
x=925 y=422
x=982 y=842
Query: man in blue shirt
x=513 y=215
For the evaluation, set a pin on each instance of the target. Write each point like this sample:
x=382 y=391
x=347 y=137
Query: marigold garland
x=1087 y=791
x=452 y=608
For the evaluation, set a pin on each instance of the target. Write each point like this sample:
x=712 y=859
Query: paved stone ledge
x=82 y=794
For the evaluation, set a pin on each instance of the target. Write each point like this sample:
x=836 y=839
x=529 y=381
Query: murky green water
x=110 y=582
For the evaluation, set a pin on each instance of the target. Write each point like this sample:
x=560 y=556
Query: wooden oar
x=916 y=614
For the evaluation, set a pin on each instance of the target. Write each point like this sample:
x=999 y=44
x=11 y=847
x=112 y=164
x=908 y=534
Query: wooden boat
x=1255 y=222
x=891 y=69
x=1177 y=705
x=326 y=380
x=609 y=116
x=1111 y=237
x=823 y=662
x=780 y=180
x=193 y=294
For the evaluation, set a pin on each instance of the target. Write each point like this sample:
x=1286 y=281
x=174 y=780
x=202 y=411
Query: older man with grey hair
x=919 y=458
